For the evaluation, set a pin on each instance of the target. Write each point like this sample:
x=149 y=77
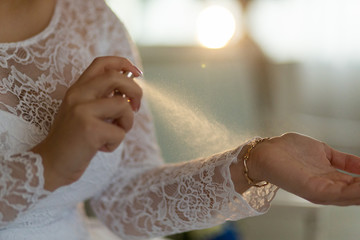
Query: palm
x=308 y=168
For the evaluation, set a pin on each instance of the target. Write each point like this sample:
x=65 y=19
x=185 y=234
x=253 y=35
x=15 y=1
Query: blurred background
x=260 y=68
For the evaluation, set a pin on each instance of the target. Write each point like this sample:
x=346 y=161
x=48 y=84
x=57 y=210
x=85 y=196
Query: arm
x=21 y=184
x=145 y=190
x=62 y=157
x=148 y=199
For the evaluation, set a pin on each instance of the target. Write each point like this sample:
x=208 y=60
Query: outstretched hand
x=307 y=168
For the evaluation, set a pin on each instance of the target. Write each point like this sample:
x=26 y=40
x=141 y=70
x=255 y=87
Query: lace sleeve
x=21 y=184
x=147 y=198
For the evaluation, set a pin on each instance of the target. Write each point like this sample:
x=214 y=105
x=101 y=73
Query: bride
x=74 y=126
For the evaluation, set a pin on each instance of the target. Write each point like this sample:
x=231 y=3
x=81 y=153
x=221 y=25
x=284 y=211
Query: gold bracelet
x=247 y=157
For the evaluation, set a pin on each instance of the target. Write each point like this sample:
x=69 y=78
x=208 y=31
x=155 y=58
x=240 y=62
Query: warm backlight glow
x=215 y=27
x=292 y=30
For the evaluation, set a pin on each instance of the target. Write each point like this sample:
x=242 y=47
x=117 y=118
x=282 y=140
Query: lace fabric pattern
x=21 y=173
x=133 y=192
x=34 y=75
x=166 y=199
x=17 y=192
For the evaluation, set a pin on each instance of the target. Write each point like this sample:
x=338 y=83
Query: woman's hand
x=307 y=168
x=89 y=120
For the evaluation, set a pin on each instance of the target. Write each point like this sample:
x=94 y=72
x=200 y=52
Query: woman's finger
x=343 y=161
x=113 y=110
x=111 y=136
x=342 y=194
x=125 y=121
x=332 y=188
x=103 y=85
x=102 y=64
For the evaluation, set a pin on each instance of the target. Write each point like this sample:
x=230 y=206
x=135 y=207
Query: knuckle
x=97 y=60
x=129 y=124
x=124 y=60
x=126 y=122
x=111 y=147
x=139 y=92
x=70 y=97
x=288 y=135
x=120 y=136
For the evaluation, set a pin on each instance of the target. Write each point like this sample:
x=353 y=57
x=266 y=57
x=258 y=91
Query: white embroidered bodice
x=133 y=192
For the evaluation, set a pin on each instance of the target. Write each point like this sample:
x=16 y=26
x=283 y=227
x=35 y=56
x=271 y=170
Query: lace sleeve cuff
x=258 y=198
x=21 y=184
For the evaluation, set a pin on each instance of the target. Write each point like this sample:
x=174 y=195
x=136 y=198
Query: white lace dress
x=133 y=192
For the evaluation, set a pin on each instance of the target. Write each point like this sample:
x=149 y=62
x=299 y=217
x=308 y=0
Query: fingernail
x=139 y=71
x=136 y=109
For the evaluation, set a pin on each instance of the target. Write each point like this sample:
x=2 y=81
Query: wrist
x=252 y=163
x=52 y=180
x=237 y=170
